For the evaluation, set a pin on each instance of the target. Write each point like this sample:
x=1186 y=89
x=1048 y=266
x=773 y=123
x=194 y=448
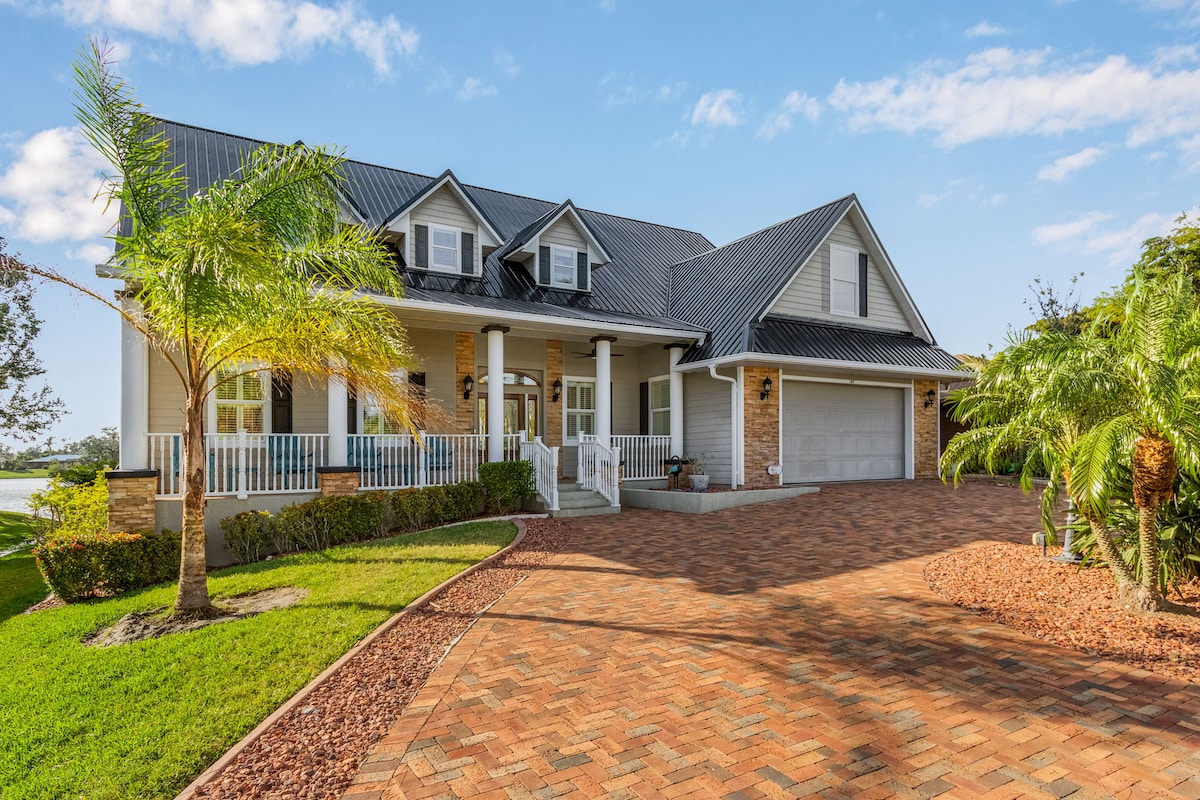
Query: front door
x=520 y=413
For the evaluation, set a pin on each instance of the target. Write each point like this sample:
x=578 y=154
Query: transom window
x=443 y=248
x=241 y=402
x=660 y=407
x=562 y=267
x=579 y=416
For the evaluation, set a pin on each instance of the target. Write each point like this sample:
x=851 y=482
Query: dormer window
x=563 y=267
x=444 y=244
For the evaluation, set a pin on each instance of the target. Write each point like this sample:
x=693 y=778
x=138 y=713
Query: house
x=596 y=345
x=60 y=460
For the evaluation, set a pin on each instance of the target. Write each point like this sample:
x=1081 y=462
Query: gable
x=564 y=233
x=808 y=294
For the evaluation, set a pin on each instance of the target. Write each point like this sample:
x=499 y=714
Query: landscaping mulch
x=1072 y=607
x=315 y=750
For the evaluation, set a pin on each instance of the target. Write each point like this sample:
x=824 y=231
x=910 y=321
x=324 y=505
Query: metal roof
x=804 y=338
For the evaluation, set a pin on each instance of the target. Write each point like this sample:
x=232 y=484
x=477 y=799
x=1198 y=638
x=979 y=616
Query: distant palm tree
x=253 y=273
x=1083 y=406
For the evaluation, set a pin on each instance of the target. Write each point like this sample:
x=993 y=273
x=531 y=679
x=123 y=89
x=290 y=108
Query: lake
x=14 y=493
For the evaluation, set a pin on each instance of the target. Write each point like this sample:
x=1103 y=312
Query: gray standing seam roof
x=805 y=338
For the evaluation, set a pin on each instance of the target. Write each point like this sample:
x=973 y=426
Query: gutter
x=735 y=428
x=845 y=366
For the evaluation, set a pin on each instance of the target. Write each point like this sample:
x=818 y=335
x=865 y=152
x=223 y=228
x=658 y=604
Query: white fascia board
x=593 y=242
x=463 y=198
x=825 y=363
x=583 y=325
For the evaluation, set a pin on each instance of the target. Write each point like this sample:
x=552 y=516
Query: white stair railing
x=545 y=469
x=600 y=469
x=643 y=455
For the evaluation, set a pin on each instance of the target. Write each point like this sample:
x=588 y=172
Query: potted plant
x=699 y=476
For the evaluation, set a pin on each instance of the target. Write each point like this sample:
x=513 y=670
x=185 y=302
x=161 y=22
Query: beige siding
x=808 y=296
x=434 y=351
x=166 y=397
x=310 y=405
x=564 y=234
x=443 y=208
x=706 y=423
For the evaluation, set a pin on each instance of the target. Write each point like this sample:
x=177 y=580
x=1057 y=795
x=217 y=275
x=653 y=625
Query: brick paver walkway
x=785 y=650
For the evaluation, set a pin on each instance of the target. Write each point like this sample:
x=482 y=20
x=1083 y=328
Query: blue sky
x=989 y=142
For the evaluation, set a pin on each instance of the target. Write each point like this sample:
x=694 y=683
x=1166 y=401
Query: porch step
x=575 y=501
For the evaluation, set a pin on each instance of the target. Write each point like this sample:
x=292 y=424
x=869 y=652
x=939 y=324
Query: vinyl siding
x=310 y=405
x=706 y=424
x=434 y=352
x=166 y=397
x=443 y=208
x=808 y=296
x=564 y=234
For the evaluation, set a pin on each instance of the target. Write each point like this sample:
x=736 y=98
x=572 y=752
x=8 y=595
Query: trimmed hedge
x=506 y=484
x=330 y=521
x=76 y=566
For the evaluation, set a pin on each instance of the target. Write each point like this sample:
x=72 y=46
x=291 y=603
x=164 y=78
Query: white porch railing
x=545 y=469
x=401 y=462
x=643 y=456
x=244 y=463
x=599 y=469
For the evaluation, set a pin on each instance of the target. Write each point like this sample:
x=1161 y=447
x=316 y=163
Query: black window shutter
x=468 y=253
x=581 y=272
x=862 y=284
x=644 y=408
x=544 y=266
x=281 y=401
x=423 y=246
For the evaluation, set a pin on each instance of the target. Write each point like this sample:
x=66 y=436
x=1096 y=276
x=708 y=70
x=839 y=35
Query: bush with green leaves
x=76 y=566
x=506 y=484
x=71 y=508
x=329 y=521
x=249 y=536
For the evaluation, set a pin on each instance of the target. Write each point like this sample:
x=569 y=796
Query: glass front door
x=520 y=413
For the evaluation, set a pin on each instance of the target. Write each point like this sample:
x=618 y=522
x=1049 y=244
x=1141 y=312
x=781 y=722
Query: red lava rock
x=315 y=755
x=1071 y=607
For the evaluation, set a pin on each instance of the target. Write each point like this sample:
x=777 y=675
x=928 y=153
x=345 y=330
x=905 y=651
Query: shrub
x=80 y=565
x=329 y=521
x=249 y=535
x=410 y=508
x=465 y=500
x=69 y=508
x=506 y=484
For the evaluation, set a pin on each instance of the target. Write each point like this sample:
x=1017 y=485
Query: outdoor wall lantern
x=557 y=386
x=930 y=398
x=766 y=392
x=468 y=385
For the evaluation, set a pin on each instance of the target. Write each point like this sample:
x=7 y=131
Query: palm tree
x=250 y=274
x=1082 y=406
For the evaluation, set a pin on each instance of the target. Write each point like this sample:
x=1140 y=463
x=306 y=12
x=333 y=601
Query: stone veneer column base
x=464 y=364
x=925 y=429
x=131 y=499
x=338 y=481
x=761 y=425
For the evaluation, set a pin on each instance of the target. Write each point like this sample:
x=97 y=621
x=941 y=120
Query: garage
x=842 y=432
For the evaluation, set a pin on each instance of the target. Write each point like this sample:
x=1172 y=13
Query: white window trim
x=210 y=422
x=567 y=380
x=853 y=254
x=366 y=401
x=557 y=249
x=433 y=267
x=650 y=403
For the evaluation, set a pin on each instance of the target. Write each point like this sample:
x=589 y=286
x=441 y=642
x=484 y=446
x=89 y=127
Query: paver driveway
x=783 y=650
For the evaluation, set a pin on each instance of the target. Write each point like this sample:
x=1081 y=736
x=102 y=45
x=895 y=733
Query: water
x=14 y=493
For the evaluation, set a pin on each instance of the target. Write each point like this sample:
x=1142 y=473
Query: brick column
x=552 y=435
x=761 y=425
x=337 y=481
x=131 y=499
x=464 y=364
x=925 y=429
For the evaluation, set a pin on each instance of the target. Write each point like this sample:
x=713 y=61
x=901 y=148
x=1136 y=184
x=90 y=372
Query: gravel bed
x=1014 y=585
x=315 y=751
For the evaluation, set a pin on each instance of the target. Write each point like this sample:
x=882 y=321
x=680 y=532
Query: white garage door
x=840 y=432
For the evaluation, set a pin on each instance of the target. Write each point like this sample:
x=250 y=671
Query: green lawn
x=21 y=584
x=142 y=720
x=43 y=472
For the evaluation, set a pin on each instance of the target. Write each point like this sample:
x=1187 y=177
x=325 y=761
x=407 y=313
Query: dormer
x=441 y=230
x=559 y=249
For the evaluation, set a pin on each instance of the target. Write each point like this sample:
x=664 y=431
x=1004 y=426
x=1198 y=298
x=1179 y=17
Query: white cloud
x=1062 y=167
x=985 y=28
x=930 y=199
x=1002 y=92
x=965 y=192
x=506 y=63
x=1064 y=231
x=91 y=253
x=780 y=120
x=607 y=6
x=472 y=88
x=624 y=89
x=1088 y=235
x=252 y=31
x=50 y=186
x=717 y=108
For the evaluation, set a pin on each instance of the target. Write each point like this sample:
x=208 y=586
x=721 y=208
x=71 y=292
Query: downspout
x=734 y=428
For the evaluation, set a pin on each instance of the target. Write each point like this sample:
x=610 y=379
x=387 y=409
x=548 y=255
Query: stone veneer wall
x=925 y=430
x=131 y=499
x=464 y=364
x=761 y=426
x=337 y=481
x=553 y=434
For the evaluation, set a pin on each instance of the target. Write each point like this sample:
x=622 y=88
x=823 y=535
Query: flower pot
x=700 y=483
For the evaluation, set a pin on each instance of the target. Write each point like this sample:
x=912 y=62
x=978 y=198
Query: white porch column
x=604 y=388
x=676 y=389
x=134 y=450
x=495 y=392
x=338 y=446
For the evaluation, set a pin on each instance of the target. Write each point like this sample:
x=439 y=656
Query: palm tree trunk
x=1108 y=549
x=192 y=599
x=1154 y=471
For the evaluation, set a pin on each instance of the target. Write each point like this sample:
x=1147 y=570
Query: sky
x=990 y=143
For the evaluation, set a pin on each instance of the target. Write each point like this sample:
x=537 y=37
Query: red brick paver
x=788 y=650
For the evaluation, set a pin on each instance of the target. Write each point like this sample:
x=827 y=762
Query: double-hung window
x=843 y=280
x=579 y=416
x=660 y=407
x=240 y=402
x=443 y=248
x=562 y=267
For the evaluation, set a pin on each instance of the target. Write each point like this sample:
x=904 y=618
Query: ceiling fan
x=593 y=354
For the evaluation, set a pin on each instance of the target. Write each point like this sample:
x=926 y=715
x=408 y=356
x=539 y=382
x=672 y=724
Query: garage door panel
x=842 y=432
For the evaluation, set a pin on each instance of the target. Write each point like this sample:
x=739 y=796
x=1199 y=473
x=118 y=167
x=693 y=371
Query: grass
x=141 y=720
x=42 y=472
x=21 y=584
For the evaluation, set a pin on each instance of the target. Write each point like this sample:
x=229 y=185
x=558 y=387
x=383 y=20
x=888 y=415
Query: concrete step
x=590 y=511
x=580 y=500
